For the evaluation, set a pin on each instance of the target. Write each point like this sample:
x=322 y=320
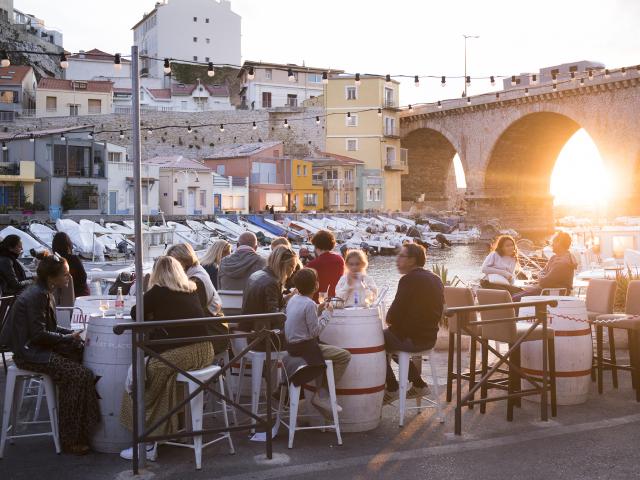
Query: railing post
x=269 y=391
x=134 y=396
x=462 y=318
x=541 y=314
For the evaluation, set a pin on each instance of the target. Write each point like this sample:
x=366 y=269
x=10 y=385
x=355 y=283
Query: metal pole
x=465 y=61
x=137 y=218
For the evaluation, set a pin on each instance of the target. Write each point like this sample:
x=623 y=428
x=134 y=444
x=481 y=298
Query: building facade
x=120 y=199
x=272 y=86
x=363 y=123
x=230 y=194
x=337 y=176
x=192 y=30
x=186 y=186
x=35 y=26
x=98 y=65
x=71 y=98
x=304 y=195
x=17 y=92
x=17 y=172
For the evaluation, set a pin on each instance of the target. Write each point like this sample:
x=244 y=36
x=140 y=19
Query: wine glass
x=104 y=306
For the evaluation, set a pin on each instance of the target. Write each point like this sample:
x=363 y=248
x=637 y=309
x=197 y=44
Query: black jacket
x=31 y=330
x=13 y=278
x=263 y=294
x=417 y=307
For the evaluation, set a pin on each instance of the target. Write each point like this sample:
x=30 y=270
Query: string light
x=623 y=71
x=32 y=138
x=4 y=146
x=251 y=74
x=357 y=82
x=292 y=77
x=554 y=78
x=497 y=95
x=526 y=92
x=325 y=77
x=210 y=70
x=64 y=64
x=254 y=126
x=167 y=66
x=317 y=120
x=121 y=134
x=443 y=81
x=416 y=81
x=149 y=132
x=573 y=76
x=468 y=80
x=439 y=104
x=590 y=74
x=117 y=62
x=222 y=127
x=189 y=130
x=62 y=137
x=513 y=80
x=4 y=59
x=379 y=112
x=387 y=80
x=555 y=87
x=468 y=100
x=90 y=136
x=493 y=81
x=286 y=123
x=410 y=108
x=348 y=114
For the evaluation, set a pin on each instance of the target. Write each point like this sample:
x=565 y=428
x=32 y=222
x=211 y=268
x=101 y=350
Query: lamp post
x=465 y=60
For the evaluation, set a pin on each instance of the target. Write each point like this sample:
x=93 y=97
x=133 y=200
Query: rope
x=604 y=321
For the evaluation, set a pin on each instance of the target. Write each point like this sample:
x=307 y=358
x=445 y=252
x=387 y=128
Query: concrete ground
x=595 y=440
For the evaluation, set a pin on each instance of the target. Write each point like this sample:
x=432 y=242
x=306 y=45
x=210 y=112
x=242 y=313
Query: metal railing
x=391 y=131
x=139 y=341
x=465 y=326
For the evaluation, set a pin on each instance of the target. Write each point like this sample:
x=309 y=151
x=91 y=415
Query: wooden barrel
x=361 y=389
x=573 y=347
x=108 y=355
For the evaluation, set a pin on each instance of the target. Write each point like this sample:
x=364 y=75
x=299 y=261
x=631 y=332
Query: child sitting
x=355 y=287
x=305 y=321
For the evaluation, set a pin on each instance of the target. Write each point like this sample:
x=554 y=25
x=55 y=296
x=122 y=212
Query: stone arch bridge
x=508 y=147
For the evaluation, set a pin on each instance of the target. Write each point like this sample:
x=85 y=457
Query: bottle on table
x=119 y=304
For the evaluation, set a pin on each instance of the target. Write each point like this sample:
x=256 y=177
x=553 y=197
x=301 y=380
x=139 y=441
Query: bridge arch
x=430 y=167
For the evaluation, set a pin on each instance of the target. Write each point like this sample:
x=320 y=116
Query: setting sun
x=579 y=177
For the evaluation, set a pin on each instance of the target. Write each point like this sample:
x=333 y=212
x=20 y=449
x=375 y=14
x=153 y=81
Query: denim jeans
x=393 y=343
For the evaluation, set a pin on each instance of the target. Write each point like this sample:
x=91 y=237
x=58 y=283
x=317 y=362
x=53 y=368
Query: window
x=292 y=100
x=8 y=96
x=332 y=174
x=52 y=104
x=314 y=78
x=295 y=76
x=115 y=157
x=391 y=155
x=86 y=196
x=298 y=170
x=203 y=198
x=73 y=110
x=208 y=40
x=348 y=175
x=268 y=73
x=206 y=20
x=378 y=194
x=195 y=19
x=180 y=199
x=206 y=59
x=351 y=93
x=352 y=145
x=304 y=171
x=346 y=197
x=370 y=194
x=310 y=199
x=266 y=99
x=195 y=39
x=95 y=106
x=390 y=126
x=336 y=198
x=352 y=121
x=388 y=97
x=195 y=58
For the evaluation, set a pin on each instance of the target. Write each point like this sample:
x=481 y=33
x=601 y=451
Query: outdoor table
x=361 y=389
x=90 y=304
x=573 y=346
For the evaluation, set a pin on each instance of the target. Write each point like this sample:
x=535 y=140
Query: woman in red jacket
x=329 y=265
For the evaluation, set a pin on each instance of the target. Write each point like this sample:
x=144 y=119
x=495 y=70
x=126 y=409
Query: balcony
x=9 y=168
x=401 y=165
x=338 y=184
x=391 y=131
x=391 y=103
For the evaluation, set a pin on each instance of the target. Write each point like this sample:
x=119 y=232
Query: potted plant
x=68 y=201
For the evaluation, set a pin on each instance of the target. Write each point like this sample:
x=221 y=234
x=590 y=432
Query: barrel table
x=361 y=390
x=90 y=304
x=574 y=350
x=108 y=355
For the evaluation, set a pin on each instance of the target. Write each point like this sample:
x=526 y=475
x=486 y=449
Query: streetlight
x=465 y=60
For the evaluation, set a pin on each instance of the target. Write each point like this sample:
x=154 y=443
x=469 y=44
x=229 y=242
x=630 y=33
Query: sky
x=407 y=37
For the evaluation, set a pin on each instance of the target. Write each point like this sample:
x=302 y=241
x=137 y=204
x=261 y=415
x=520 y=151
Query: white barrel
x=108 y=355
x=573 y=346
x=361 y=389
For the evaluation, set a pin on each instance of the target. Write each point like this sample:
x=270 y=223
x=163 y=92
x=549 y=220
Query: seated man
x=413 y=316
x=559 y=271
x=235 y=269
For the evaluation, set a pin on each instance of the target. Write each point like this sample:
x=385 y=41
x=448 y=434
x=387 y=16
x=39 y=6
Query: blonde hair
x=167 y=272
x=216 y=252
x=276 y=242
x=281 y=260
x=184 y=253
x=359 y=254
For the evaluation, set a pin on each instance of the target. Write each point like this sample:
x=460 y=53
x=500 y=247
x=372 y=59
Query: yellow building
x=69 y=98
x=17 y=171
x=304 y=195
x=336 y=175
x=363 y=123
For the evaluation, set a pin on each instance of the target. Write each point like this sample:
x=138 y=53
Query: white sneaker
x=151 y=448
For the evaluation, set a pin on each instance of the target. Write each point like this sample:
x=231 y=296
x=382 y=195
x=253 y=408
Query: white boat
x=87 y=244
x=28 y=242
x=185 y=234
x=42 y=233
x=221 y=230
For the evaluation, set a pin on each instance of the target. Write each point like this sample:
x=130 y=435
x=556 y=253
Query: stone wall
x=302 y=136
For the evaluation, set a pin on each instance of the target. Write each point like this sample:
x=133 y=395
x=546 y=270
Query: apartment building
x=121 y=184
x=17 y=171
x=17 y=92
x=95 y=64
x=337 y=176
x=363 y=123
x=193 y=30
x=70 y=98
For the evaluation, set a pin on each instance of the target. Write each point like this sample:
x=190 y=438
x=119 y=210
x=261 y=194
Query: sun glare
x=461 y=181
x=579 y=177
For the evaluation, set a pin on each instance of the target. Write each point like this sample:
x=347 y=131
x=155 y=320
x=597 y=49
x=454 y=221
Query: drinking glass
x=103 y=307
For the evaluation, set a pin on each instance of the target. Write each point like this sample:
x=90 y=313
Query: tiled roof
x=97 y=86
x=182 y=89
x=178 y=162
x=14 y=74
x=217 y=90
x=95 y=54
x=160 y=93
x=236 y=150
x=188 y=88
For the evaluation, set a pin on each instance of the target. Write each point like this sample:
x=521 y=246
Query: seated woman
x=13 y=278
x=171 y=296
x=63 y=246
x=500 y=266
x=211 y=260
x=264 y=287
x=329 y=265
x=356 y=287
x=39 y=345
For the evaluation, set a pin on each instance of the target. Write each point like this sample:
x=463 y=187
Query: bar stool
x=601 y=295
x=196 y=406
x=221 y=359
x=403 y=362
x=13 y=398
x=294 y=403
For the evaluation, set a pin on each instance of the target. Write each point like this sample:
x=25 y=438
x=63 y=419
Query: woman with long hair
x=40 y=345
x=500 y=266
x=63 y=246
x=211 y=260
x=171 y=296
x=13 y=278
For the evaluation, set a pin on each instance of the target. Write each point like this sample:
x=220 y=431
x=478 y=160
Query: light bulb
x=439 y=104
x=64 y=64
x=379 y=112
x=325 y=77
x=117 y=62
x=4 y=59
x=526 y=92
x=62 y=137
x=497 y=95
x=286 y=123
x=573 y=76
x=254 y=126
x=555 y=87
x=468 y=80
x=590 y=74
x=468 y=100
x=90 y=136
x=443 y=81
x=251 y=74
x=410 y=108
x=167 y=66
x=121 y=134
x=292 y=77
x=387 y=80
x=492 y=80
x=149 y=132
x=4 y=147
x=317 y=120
x=210 y=71
x=357 y=82
x=582 y=82
x=32 y=138
x=416 y=81
x=348 y=114
x=554 y=78
x=222 y=127
x=623 y=71
x=189 y=130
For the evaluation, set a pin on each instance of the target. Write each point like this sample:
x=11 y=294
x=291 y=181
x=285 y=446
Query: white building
x=35 y=26
x=279 y=85
x=98 y=65
x=121 y=191
x=230 y=194
x=193 y=30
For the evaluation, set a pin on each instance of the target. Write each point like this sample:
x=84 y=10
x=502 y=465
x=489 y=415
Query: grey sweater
x=302 y=321
x=236 y=268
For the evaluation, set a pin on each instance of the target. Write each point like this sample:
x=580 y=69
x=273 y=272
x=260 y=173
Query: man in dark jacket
x=413 y=316
x=235 y=269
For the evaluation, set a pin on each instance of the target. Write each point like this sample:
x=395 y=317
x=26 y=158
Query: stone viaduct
x=508 y=146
